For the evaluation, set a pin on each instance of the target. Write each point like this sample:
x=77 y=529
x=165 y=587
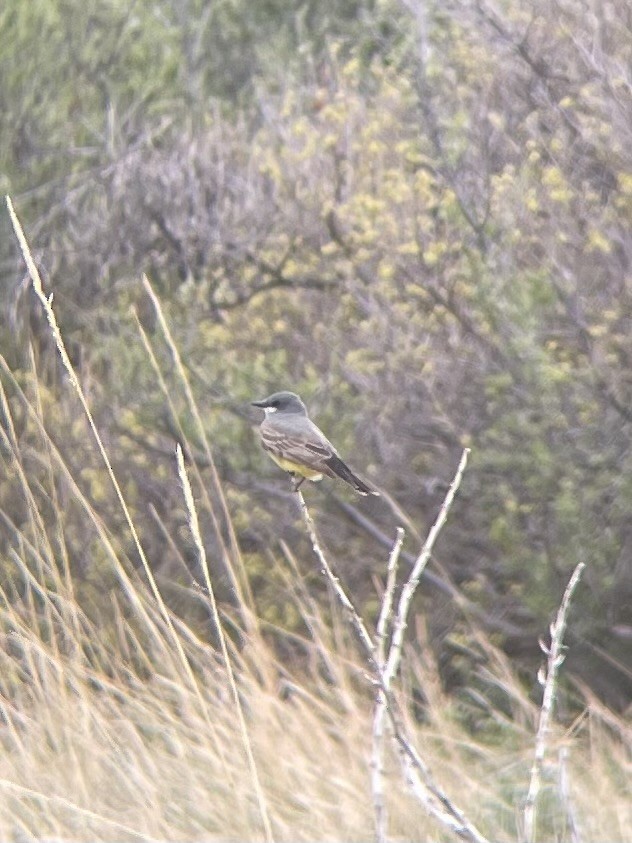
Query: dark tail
x=344 y=472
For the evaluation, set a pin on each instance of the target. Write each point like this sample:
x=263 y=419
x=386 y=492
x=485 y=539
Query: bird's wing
x=308 y=446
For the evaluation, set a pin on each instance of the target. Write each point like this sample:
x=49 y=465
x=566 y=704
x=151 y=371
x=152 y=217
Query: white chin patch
x=269 y=410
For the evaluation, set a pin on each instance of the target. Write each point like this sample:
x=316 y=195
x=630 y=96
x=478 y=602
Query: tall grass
x=118 y=722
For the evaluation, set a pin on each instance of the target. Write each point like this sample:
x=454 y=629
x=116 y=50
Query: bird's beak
x=262 y=404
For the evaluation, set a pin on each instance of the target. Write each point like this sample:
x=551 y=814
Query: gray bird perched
x=298 y=446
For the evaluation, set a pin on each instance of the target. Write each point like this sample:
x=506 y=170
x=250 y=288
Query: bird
x=299 y=447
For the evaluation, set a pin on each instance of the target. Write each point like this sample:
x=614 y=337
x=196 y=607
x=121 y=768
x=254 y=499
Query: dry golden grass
x=108 y=740
x=128 y=729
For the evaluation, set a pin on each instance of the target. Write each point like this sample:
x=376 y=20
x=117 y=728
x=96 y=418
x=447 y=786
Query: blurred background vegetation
x=417 y=215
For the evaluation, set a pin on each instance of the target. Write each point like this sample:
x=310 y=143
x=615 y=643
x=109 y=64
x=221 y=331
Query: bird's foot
x=296 y=482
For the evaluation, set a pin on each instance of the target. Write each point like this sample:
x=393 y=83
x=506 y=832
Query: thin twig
x=565 y=796
x=356 y=620
x=408 y=591
x=377 y=750
x=389 y=594
x=548 y=677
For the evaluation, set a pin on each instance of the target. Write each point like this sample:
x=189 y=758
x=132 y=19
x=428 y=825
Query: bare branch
x=387 y=600
x=356 y=621
x=417 y=773
x=408 y=591
x=555 y=657
x=377 y=750
x=565 y=796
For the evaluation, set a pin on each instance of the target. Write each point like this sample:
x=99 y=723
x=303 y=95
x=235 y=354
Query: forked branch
x=416 y=771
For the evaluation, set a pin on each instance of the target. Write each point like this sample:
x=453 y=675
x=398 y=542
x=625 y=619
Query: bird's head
x=285 y=402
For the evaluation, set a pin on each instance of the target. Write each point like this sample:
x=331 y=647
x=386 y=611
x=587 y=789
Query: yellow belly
x=303 y=470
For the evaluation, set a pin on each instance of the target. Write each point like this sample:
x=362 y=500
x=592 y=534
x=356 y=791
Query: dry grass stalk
x=197 y=538
x=233 y=559
x=47 y=304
